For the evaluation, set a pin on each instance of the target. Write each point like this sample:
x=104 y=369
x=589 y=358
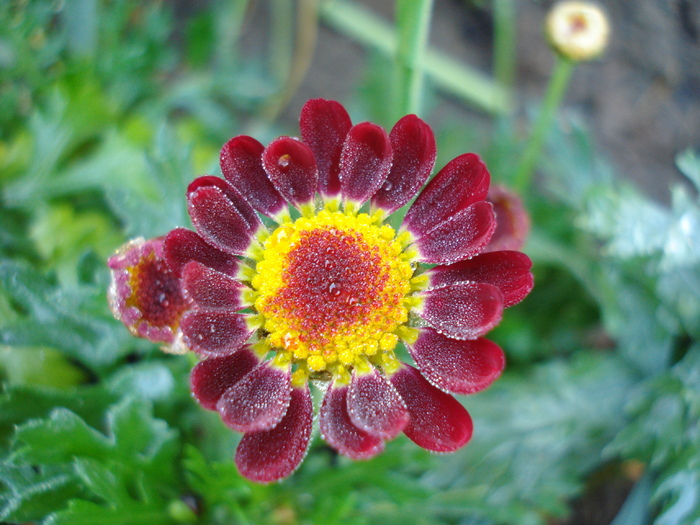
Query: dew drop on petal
x=283 y=161
x=334 y=289
x=387 y=186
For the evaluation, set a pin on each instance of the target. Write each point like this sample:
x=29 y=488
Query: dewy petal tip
x=320 y=291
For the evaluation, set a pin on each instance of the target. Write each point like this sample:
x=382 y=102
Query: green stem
x=413 y=21
x=504 y=42
x=552 y=99
x=450 y=75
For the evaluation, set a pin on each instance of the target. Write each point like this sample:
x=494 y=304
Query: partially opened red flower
x=296 y=275
x=146 y=295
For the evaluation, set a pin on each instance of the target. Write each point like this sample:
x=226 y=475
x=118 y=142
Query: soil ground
x=642 y=98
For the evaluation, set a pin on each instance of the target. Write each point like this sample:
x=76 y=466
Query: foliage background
x=108 y=109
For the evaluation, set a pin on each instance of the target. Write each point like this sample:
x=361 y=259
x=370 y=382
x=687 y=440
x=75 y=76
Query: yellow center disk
x=332 y=290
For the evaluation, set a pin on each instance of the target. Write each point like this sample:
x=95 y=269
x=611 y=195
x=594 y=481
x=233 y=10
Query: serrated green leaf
x=81 y=512
x=169 y=171
x=664 y=414
x=140 y=438
x=19 y=404
x=130 y=469
x=536 y=436
x=633 y=315
x=75 y=321
x=29 y=493
x=60 y=438
x=678 y=489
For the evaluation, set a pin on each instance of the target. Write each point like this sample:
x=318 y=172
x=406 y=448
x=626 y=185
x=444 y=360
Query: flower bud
x=577 y=30
x=512 y=220
x=145 y=295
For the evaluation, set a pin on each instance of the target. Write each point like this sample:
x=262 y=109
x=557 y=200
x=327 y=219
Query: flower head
x=146 y=295
x=297 y=276
x=512 y=220
x=577 y=30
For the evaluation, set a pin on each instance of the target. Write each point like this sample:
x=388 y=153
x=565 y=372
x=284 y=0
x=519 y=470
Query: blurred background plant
x=108 y=109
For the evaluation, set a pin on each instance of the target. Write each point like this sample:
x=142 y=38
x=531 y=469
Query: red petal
x=365 y=162
x=462 y=182
x=183 y=246
x=509 y=271
x=324 y=125
x=512 y=220
x=242 y=206
x=461 y=367
x=437 y=421
x=414 y=150
x=291 y=166
x=211 y=289
x=241 y=165
x=214 y=332
x=462 y=310
x=340 y=432
x=270 y=455
x=258 y=401
x=375 y=406
x=212 y=377
x=218 y=221
x=461 y=236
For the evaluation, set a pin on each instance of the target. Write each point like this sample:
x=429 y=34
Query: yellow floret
x=338 y=348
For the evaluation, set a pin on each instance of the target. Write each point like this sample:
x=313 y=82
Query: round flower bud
x=577 y=30
x=145 y=295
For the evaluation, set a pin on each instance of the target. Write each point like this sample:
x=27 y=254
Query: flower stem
x=413 y=21
x=447 y=73
x=558 y=83
x=504 y=42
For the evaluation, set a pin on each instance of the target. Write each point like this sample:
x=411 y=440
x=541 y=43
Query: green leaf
x=62 y=235
x=38 y=366
x=60 y=438
x=129 y=471
x=28 y=492
x=678 y=490
x=664 y=413
x=75 y=321
x=663 y=433
x=81 y=512
x=537 y=434
x=151 y=214
x=19 y=404
x=151 y=380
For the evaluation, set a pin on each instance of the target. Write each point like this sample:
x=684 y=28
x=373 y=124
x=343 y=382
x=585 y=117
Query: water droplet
x=352 y=301
x=283 y=161
x=330 y=250
x=327 y=264
x=387 y=186
x=334 y=289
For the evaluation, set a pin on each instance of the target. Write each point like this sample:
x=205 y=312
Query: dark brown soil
x=642 y=98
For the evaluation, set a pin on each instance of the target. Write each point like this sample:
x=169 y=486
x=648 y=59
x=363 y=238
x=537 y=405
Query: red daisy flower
x=297 y=276
x=146 y=295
